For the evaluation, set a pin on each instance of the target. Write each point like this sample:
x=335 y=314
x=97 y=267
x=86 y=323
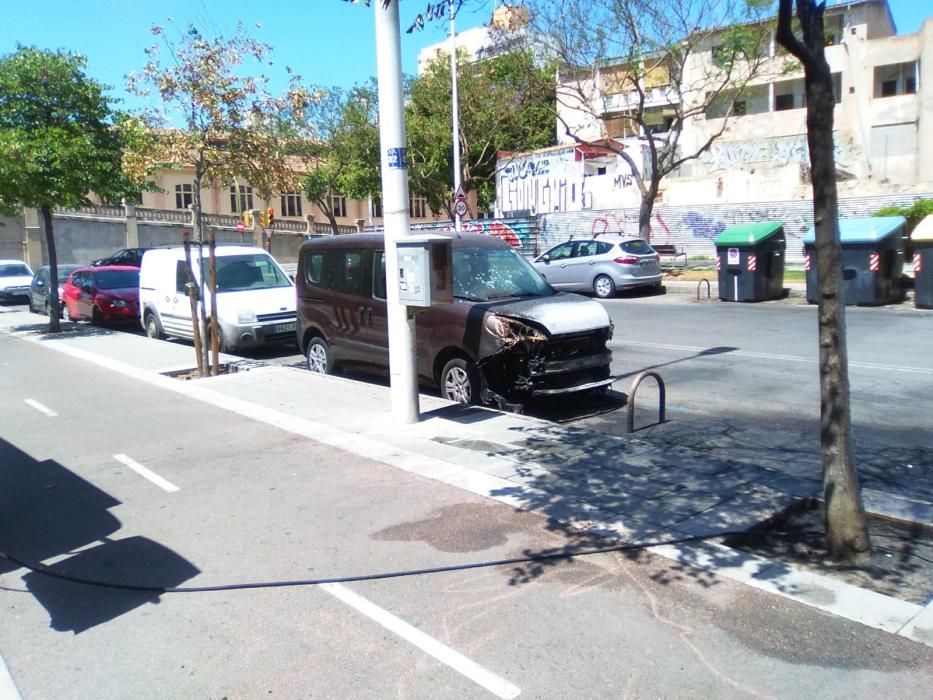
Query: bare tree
x=846 y=528
x=634 y=73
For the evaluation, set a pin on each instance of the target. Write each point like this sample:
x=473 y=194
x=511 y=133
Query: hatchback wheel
x=460 y=381
x=97 y=318
x=604 y=287
x=66 y=313
x=319 y=357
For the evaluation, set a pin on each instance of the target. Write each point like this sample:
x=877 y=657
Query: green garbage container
x=872 y=260
x=922 y=239
x=750 y=261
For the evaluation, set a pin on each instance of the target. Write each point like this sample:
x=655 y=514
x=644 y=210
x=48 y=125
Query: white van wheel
x=460 y=382
x=319 y=357
x=153 y=327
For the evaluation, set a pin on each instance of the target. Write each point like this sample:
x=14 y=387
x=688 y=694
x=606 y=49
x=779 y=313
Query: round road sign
x=460 y=208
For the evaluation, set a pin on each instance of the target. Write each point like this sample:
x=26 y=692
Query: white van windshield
x=481 y=274
x=236 y=273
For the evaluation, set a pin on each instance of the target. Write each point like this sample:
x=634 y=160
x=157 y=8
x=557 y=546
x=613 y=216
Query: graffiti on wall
x=780 y=150
x=518 y=233
x=694 y=229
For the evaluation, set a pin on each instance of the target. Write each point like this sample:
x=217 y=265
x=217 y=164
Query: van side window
x=181 y=277
x=345 y=272
x=379 y=274
x=314 y=268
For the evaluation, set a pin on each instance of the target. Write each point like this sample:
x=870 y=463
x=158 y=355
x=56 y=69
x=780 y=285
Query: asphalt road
x=107 y=478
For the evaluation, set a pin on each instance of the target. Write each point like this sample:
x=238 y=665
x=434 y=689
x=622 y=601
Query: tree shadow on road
x=47 y=512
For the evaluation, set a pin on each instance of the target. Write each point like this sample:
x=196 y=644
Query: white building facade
x=883 y=129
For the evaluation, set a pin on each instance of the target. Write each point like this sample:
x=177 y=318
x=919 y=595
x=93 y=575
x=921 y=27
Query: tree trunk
x=645 y=210
x=54 y=302
x=198 y=221
x=846 y=527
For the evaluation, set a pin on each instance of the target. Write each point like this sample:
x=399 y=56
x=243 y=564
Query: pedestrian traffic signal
x=270 y=216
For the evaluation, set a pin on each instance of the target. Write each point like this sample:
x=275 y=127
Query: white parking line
x=8 y=690
x=496 y=685
x=39 y=407
x=773 y=356
x=147 y=473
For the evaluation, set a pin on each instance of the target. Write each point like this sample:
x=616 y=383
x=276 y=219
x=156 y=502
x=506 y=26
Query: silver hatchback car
x=601 y=265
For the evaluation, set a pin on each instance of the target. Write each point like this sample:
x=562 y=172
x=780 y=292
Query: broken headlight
x=510 y=331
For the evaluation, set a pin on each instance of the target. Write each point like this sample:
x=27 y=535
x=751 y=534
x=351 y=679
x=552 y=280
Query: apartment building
x=177 y=192
x=883 y=126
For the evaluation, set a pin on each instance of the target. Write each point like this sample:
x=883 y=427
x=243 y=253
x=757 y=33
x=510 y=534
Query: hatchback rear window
x=637 y=247
x=117 y=279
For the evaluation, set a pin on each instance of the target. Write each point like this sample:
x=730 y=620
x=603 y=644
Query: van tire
x=603 y=286
x=319 y=357
x=460 y=381
x=153 y=327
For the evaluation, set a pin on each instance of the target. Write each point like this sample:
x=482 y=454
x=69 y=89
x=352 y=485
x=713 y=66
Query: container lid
x=924 y=230
x=864 y=230
x=748 y=234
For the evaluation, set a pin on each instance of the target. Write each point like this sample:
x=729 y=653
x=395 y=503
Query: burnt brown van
x=507 y=337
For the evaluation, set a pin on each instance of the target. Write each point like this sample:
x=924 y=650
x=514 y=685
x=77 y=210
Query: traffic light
x=264 y=218
x=270 y=216
x=248 y=219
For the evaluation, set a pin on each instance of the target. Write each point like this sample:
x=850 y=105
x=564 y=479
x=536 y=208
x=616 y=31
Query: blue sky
x=328 y=42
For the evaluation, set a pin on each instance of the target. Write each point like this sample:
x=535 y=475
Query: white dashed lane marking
x=40 y=408
x=147 y=473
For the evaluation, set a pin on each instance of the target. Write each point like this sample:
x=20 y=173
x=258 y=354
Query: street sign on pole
x=460 y=207
x=240 y=227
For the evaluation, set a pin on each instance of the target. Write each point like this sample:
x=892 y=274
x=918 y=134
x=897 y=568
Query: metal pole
x=403 y=376
x=455 y=107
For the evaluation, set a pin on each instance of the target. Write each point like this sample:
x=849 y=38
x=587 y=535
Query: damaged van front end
x=544 y=347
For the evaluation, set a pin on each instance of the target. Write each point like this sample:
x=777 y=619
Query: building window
x=290 y=204
x=376 y=208
x=417 y=207
x=184 y=196
x=896 y=79
x=242 y=201
x=338 y=205
x=782 y=102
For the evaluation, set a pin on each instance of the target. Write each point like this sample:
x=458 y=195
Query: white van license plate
x=283 y=328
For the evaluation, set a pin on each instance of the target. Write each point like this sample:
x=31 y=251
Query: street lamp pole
x=403 y=377
x=455 y=107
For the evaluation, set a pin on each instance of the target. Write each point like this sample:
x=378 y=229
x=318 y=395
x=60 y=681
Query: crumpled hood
x=558 y=314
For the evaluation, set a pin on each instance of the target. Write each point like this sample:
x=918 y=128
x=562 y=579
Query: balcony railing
x=654 y=97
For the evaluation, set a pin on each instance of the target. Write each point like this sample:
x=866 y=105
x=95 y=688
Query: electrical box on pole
x=425 y=271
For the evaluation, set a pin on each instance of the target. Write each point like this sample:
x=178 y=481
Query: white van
x=255 y=297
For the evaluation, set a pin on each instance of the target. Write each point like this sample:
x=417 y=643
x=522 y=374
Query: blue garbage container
x=872 y=260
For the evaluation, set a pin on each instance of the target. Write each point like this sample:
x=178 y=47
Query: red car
x=108 y=294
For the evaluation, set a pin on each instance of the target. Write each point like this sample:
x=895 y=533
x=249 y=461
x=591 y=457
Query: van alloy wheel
x=319 y=357
x=459 y=381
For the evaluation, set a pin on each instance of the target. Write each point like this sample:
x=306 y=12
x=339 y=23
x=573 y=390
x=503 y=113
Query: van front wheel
x=460 y=381
x=153 y=327
x=319 y=357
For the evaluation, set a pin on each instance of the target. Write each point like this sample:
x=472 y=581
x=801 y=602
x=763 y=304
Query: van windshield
x=481 y=274
x=236 y=273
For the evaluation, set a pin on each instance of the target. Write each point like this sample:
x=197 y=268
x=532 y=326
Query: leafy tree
x=846 y=527
x=337 y=140
x=698 y=54
x=212 y=115
x=506 y=103
x=58 y=143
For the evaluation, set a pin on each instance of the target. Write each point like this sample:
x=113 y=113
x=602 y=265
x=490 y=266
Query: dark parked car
x=130 y=257
x=39 y=289
x=507 y=337
x=102 y=295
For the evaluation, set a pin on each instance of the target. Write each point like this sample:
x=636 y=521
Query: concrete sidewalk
x=595 y=483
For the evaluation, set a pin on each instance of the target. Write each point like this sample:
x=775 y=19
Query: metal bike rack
x=699 y=284
x=630 y=419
